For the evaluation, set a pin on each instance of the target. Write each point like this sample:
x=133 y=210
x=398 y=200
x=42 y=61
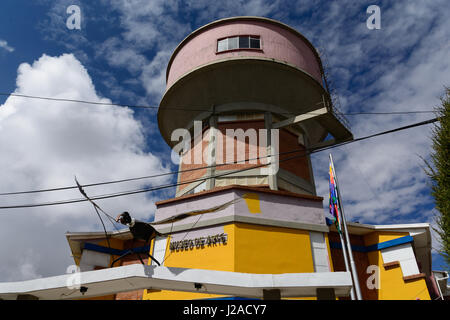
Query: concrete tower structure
x=253 y=73
x=258 y=76
x=232 y=233
x=248 y=73
x=243 y=231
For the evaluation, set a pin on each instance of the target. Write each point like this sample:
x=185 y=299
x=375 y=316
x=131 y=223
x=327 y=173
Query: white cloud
x=155 y=25
x=4 y=45
x=44 y=144
x=118 y=55
x=404 y=66
x=153 y=76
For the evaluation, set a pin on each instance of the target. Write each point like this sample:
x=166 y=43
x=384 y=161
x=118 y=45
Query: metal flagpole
x=349 y=247
x=343 y=246
x=344 y=252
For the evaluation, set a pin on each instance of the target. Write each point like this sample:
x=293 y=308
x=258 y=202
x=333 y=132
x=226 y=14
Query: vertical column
x=159 y=250
x=177 y=190
x=307 y=144
x=212 y=144
x=272 y=176
x=325 y=294
x=319 y=252
x=272 y=294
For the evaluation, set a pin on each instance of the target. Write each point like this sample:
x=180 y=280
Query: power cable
x=143 y=177
x=190 y=109
x=307 y=152
x=136 y=191
x=211 y=166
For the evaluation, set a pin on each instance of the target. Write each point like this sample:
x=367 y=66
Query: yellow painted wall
x=267 y=249
x=219 y=257
x=391 y=283
x=250 y=248
x=330 y=260
x=378 y=237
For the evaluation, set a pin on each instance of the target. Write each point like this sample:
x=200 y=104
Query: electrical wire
x=136 y=191
x=204 y=167
x=96 y=207
x=185 y=235
x=190 y=109
x=306 y=151
x=143 y=177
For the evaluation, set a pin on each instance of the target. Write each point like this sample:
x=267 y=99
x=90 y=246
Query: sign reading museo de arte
x=199 y=242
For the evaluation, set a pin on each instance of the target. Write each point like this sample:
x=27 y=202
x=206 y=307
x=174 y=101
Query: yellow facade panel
x=378 y=237
x=250 y=248
x=267 y=249
x=391 y=284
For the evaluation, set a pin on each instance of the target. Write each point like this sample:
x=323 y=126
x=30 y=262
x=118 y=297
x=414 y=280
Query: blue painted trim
x=377 y=246
x=337 y=245
x=116 y=252
x=390 y=243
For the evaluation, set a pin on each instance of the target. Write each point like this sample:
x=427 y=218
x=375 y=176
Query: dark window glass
x=244 y=42
x=254 y=43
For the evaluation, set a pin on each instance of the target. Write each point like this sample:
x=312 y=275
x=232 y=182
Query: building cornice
x=262 y=188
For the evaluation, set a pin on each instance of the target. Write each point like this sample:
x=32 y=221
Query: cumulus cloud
x=153 y=76
x=122 y=56
x=44 y=144
x=404 y=66
x=159 y=26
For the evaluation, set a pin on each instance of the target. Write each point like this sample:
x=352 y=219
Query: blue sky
x=120 y=55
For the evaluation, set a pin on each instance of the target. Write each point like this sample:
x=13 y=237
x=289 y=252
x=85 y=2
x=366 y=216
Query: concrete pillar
x=273 y=184
x=212 y=144
x=325 y=294
x=274 y=294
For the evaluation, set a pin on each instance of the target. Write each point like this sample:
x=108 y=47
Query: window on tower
x=238 y=42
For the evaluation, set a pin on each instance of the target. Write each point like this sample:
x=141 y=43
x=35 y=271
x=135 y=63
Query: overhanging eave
x=139 y=277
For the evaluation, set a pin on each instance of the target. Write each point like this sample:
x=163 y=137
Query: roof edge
x=257 y=188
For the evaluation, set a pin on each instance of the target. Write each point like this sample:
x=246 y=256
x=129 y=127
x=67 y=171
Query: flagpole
x=343 y=246
x=344 y=253
x=349 y=247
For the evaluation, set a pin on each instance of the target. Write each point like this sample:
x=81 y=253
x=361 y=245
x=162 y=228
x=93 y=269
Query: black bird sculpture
x=140 y=231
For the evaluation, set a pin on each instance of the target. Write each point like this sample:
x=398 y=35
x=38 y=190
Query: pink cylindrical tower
x=247 y=73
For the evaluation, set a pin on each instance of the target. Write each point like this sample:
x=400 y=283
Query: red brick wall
x=361 y=262
x=132 y=259
x=228 y=143
x=188 y=162
x=298 y=166
x=287 y=142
